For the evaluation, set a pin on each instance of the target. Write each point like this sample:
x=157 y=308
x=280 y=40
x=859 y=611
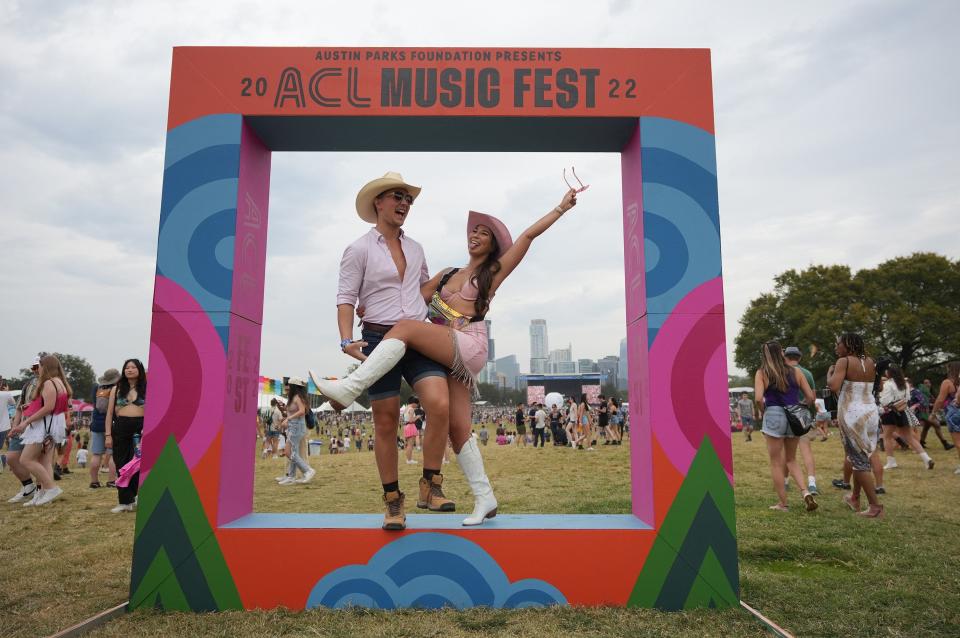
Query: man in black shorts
x=369 y=273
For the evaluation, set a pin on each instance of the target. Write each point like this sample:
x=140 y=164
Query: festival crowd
x=877 y=408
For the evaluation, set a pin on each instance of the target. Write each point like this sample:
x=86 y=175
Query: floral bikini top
x=441 y=313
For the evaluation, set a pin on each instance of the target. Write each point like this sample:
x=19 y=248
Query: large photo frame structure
x=198 y=544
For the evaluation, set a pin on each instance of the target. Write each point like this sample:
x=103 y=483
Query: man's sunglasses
x=400 y=196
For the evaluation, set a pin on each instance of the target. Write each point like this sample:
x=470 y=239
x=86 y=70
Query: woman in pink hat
x=458 y=300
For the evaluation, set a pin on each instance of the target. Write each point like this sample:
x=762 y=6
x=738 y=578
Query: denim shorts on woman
x=775 y=423
x=953 y=418
x=413 y=367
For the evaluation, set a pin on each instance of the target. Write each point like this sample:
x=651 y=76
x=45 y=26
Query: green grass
x=822 y=574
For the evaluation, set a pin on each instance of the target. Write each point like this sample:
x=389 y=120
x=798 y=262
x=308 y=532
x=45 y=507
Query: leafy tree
x=79 y=373
x=905 y=308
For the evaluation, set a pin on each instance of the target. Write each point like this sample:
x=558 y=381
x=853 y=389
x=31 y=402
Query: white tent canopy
x=354 y=407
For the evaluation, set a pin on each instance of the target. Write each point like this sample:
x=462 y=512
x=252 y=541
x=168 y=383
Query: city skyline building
x=622 y=366
x=539 y=346
x=509 y=367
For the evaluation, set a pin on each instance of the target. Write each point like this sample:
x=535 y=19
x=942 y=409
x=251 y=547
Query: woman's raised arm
x=514 y=255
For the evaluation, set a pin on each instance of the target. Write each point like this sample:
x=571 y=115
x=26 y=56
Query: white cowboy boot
x=471 y=463
x=381 y=361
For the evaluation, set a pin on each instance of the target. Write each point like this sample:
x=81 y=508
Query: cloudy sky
x=837 y=138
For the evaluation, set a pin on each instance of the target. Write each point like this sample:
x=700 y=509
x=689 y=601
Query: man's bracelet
x=559 y=210
x=344 y=343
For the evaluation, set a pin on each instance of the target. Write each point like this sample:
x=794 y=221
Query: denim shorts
x=953 y=418
x=775 y=423
x=413 y=367
x=98 y=443
x=14 y=444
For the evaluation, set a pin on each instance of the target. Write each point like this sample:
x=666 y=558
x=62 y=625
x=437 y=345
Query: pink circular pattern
x=187 y=376
x=688 y=355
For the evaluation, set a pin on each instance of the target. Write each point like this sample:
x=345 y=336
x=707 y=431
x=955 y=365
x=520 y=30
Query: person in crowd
x=613 y=430
x=124 y=425
x=925 y=401
x=271 y=427
x=603 y=419
x=948 y=400
x=100 y=454
x=82 y=456
x=7 y=401
x=43 y=426
x=539 y=426
x=555 y=428
x=410 y=433
x=852 y=379
x=484 y=435
x=571 y=419
x=792 y=355
x=583 y=418
x=15 y=443
x=745 y=412
x=455 y=335
x=822 y=419
x=894 y=420
x=778 y=387
x=295 y=425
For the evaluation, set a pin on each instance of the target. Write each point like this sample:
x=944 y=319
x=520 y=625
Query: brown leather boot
x=431 y=495
x=395 y=518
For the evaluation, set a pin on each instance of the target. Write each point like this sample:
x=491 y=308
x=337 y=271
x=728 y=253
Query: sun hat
x=36 y=361
x=497 y=227
x=373 y=188
x=109 y=377
x=793 y=350
x=296 y=381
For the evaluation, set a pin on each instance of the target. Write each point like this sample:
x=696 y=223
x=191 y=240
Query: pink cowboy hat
x=497 y=227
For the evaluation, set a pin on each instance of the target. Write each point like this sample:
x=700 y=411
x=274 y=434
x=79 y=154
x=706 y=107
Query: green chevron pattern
x=177 y=562
x=693 y=562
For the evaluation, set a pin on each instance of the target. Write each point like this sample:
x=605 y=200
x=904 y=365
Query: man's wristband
x=344 y=343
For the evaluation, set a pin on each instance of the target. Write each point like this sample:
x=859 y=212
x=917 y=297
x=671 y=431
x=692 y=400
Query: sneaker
x=47 y=496
x=891 y=463
x=590 y=449
x=37 y=493
x=280 y=478
x=957 y=471
x=929 y=464
x=111 y=483
x=117 y=509
x=395 y=518
x=810 y=502
x=431 y=495
x=65 y=470
x=948 y=446
x=880 y=490
x=287 y=480
x=95 y=484
x=25 y=491
x=812 y=488
x=840 y=484
x=306 y=477
x=412 y=462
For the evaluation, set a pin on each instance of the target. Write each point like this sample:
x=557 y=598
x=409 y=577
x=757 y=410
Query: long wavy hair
x=123 y=385
x=483 y=278
x=774 y=366
x=895 y=373
x=51 y=368
x=297 y=391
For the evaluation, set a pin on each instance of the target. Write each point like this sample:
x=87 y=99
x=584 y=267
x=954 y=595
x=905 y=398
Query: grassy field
x=822 y=574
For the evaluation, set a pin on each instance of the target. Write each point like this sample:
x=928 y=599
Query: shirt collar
x=378 y=235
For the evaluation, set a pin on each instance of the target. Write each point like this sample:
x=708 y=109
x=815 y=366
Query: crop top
x=439 y=312
x=122 y=401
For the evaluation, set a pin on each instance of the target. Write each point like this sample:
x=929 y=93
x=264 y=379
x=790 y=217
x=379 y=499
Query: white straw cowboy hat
x=371 y=189
x=297 y=381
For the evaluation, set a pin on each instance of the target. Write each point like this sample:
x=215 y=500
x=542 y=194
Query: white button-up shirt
x=369 y=275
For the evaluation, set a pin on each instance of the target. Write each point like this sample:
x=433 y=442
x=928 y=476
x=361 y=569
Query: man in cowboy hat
x=384 y=271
